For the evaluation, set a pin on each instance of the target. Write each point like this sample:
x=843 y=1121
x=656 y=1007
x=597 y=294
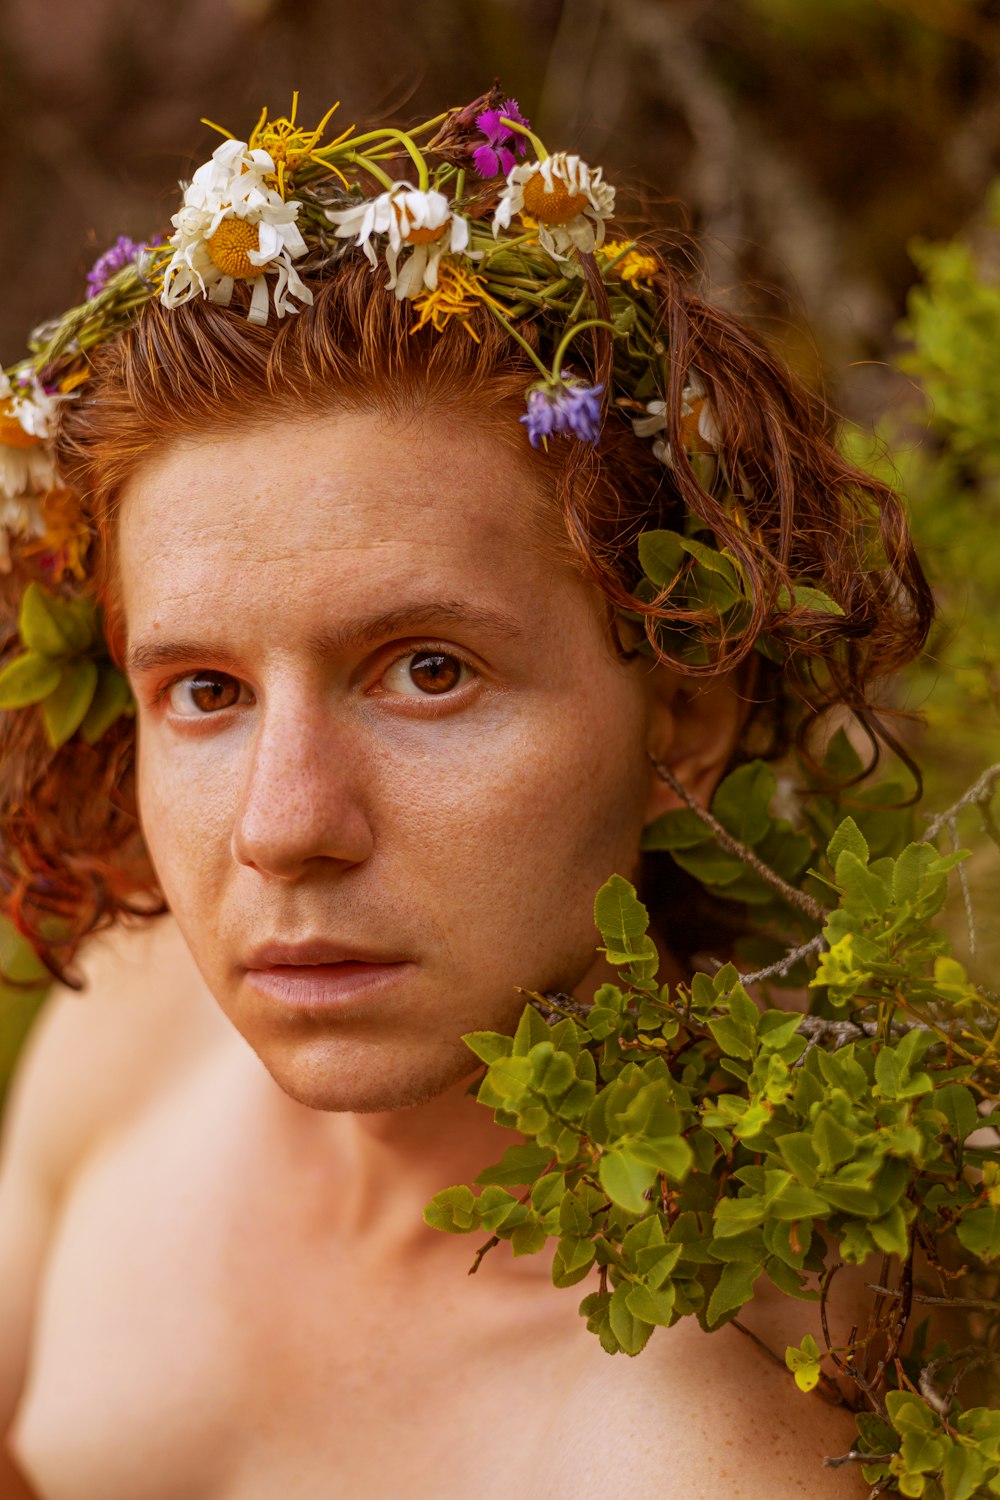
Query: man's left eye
x=425 y=674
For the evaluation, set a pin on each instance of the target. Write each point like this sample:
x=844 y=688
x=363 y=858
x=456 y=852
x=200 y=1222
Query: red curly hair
x=71 y=852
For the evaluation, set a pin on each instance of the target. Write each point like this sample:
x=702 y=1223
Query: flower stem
x=540 y=150
x=571 y=334
x=523 y=343
x=429 y=124
x=423 y=177
x=367 y=165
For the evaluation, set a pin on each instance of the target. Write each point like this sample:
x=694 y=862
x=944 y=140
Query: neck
x=388 y=1165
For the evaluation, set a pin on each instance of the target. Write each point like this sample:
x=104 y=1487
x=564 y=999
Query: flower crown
x=485 y=217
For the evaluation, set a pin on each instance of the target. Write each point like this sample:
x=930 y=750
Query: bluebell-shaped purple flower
x=570 y=407
x=496 y=156
x=122 y=253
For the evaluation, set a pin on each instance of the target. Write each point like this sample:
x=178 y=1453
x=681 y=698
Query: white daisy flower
x=234 y=226
x=423 y=222
x=698 y=425
x=28 y=415
x=27 y=424
x=568 y=200
x=20 y=516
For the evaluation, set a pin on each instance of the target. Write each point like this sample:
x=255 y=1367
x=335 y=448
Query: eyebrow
x=144 y=656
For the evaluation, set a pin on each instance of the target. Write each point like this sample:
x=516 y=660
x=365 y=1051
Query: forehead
x=345 y=510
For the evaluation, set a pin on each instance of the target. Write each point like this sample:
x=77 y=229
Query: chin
x=356 y=1080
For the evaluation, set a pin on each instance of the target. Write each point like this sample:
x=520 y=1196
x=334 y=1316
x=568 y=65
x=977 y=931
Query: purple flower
x=495 y=158
x=122 y=253
x=573 y=407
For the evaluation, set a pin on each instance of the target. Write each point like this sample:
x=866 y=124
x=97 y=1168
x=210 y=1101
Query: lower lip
x=323 y=986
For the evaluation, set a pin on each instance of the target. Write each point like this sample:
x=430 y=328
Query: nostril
x=295 y=811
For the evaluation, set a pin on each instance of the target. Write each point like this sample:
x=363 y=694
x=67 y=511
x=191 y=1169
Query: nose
x=305 y=794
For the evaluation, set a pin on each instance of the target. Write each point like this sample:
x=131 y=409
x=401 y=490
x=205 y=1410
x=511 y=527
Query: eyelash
x=424 y=649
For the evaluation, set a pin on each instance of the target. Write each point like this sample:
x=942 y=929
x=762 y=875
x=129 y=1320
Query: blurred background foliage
x=834 y=159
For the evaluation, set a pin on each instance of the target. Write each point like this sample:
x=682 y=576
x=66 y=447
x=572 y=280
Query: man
x=389 y=746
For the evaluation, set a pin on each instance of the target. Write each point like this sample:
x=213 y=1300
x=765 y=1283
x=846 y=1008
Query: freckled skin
x=466 y=832
x=240 y=1297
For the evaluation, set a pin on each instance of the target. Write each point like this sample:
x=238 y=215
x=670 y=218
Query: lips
x=321 y=977
x=313 y=954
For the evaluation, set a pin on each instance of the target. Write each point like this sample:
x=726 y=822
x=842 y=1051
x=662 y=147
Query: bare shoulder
x=699 y=1415
x=94 y=1055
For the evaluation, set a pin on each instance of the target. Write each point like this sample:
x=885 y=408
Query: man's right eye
x=204 y=693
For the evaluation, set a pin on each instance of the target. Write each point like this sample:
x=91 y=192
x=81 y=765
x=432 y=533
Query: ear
x=694 y=726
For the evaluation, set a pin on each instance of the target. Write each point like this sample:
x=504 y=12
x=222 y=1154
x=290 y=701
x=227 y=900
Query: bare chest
x=205 y=1333
x=203 y=1336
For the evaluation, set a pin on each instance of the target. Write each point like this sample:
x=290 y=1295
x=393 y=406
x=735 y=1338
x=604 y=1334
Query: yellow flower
x=66 y=536
x=632 y=266
x=457 y=293
x=287 y=144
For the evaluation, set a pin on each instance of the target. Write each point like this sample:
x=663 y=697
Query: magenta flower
x=495 y=157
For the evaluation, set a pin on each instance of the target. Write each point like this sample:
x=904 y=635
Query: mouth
x=321 y=975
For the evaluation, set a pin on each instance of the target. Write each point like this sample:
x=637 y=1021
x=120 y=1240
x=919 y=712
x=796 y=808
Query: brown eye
x=426 y=674
x=204 y=693
x=434 y=672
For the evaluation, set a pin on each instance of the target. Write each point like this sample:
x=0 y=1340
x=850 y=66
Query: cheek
x=515 y=837
x=183 y=809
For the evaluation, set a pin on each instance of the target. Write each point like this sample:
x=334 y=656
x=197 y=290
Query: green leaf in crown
x=64 y=668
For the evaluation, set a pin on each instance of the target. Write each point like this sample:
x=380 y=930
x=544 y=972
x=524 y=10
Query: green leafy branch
x=64 y=668
x=680 y=1142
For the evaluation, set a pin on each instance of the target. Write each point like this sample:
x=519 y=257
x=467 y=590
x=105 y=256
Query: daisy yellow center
x=12 y=434
x=555 y=207
x=425 y=236
x=690 y=432
x=229 y=248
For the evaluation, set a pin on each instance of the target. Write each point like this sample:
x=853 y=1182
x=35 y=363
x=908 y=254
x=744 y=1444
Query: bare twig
x=494 y=1239
x=855 y=1457
x=902 y=1315
x=963 y=880
x=978 y=795
x=725 y=840
x=966 y=1302
x=824 y=1297
x=556 y=1005
x=784 y=966
x=772 y=1354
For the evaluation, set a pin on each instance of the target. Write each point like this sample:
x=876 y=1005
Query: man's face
x=386 y=752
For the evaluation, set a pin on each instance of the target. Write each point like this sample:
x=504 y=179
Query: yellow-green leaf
x=53 y=626
x=28 y=679
x=112 y=698
x=66 y=706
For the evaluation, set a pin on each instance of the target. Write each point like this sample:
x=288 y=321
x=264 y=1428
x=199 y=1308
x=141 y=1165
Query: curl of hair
x=71 y=852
